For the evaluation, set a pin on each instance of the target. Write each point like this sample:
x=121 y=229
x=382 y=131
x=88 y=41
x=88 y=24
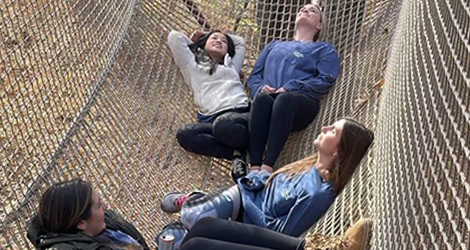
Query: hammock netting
x=89 y=89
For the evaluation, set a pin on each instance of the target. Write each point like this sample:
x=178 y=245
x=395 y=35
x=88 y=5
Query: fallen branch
x=240 y=16
x=201 y=19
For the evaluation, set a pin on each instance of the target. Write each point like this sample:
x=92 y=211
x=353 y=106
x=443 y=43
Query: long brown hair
x=353 y=145
x=64 y=205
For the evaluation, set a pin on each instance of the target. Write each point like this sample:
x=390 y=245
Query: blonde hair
x=323 y=19
x=295 y=168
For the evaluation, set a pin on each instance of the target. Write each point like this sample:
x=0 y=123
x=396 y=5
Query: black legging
x=228 y=132
x=272 y=118
x=216 y=234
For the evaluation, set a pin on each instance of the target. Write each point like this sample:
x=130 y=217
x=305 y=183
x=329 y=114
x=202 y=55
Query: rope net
x=89 y=89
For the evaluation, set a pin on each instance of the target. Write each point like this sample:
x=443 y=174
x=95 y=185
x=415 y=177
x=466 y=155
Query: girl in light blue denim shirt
x=292 y=199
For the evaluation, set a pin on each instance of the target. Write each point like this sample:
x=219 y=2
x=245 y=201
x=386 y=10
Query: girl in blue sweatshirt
x=286 y=85
x=293 y=198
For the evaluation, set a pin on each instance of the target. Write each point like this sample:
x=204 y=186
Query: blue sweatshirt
x=300 y=67
x=290 y=206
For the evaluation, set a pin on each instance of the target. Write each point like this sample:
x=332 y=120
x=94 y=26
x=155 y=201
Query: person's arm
x=240 y=51
x=328 y=70
x=304 y=214
x=178 y=44
x=256 y=81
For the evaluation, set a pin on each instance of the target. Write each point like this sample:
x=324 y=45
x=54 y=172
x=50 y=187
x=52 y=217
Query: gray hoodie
x=214 y=93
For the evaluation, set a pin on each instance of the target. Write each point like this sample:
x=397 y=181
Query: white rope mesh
x=424 y=124
x=89 y=89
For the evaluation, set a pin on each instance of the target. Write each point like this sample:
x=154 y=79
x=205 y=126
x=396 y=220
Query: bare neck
x=305 y=34
x=324 y=163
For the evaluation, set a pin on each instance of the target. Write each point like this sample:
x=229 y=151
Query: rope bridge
x=89 y=89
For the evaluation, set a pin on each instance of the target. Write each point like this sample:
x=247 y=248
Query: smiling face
x=217 y=46
x=327 y=142
x=310 y=16
x=95 y=224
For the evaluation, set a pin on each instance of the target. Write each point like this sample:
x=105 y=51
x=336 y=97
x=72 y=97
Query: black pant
x=212 y=234
x=272 y=118
x=228 y=132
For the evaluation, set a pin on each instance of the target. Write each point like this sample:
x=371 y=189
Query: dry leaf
x=324 y=242
x=379 y=84
x=359 y=102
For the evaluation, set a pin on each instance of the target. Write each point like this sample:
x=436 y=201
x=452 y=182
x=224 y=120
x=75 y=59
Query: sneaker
x=175 y=229
x=173 y=202
x=357 y=236
x=239 y=167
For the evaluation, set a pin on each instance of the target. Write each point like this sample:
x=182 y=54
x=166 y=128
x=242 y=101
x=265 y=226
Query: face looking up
x=310 y=16
x=327 y=142
x=217 y=46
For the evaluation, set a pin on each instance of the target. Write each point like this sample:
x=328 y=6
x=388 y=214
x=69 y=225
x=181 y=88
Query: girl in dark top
x=286 y=83
x=72 y=216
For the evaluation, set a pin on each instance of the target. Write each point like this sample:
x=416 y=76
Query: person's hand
x=266 y=168
x=281 y=90
x=268 y=89
x=197 y=35
x=254 y=168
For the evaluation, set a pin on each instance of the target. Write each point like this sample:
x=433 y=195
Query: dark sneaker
x=175 y=229
x=239 y=167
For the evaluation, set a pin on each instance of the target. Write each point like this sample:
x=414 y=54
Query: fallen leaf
x=379 y=84
x=361 y=100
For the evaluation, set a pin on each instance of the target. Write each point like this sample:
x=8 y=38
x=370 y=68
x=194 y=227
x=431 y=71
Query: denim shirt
x=289 y=205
